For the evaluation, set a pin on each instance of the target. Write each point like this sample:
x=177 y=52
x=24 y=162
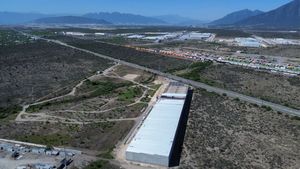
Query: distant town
x=265 y=62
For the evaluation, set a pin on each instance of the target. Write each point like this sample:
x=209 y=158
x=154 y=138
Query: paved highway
x=220 y=91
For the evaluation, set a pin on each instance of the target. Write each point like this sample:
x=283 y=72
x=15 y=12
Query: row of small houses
x=36 y=150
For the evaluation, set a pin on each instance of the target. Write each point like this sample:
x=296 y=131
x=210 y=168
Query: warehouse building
x=195 y=36
x=248 y=42
x=159 y=139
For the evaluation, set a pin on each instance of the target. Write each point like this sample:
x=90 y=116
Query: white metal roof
x=174 y=95
x=156 y=135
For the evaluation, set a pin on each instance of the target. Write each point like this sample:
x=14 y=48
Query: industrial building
x=135 y=36
x=74 y=33
x=195 y=36
x=160 y=137
x=248 y=42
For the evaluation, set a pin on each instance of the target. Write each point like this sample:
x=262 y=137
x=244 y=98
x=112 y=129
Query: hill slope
x=70 y=20
x=236 y=17
x=179 y=20
x=286 y=16
x=124 y=18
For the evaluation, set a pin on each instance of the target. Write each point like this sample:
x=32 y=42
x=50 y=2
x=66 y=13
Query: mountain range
x=180 y=21
x=70 y=20
x=125 y=18
x=235 y=17
x=286 y=16
x=8 y=18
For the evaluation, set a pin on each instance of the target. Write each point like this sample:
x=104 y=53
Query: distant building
x=135 y=36
x=100 y=34
x=74 y=33
x=248 y=42
x=195 y=36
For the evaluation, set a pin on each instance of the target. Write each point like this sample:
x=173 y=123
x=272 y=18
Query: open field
x=10 y=37
x=279 y=50
x=284 y=51
x=226 y=133
x=79 y=100
x=146 y=59
x=276 y=34
x=276 y=88
x=97 y=137
x=108 y=96
x=93 y=117
x=34 y=70
x=119 y=40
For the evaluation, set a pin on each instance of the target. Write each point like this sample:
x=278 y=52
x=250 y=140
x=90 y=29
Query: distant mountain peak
x=236 y=17
x=70 y=20
x=174 y=19
x=286 y=16
x=124 y=18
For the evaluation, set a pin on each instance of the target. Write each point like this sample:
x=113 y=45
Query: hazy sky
x=197 y=9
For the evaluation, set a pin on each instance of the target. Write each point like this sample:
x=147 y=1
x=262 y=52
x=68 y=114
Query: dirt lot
x=143 y=77
x=224 y=133
x=32 y=70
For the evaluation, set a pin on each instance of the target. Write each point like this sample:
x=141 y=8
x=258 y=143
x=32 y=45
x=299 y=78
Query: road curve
x=220 y=91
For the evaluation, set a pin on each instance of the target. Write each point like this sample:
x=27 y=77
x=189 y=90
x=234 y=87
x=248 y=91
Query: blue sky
x=197 y=9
